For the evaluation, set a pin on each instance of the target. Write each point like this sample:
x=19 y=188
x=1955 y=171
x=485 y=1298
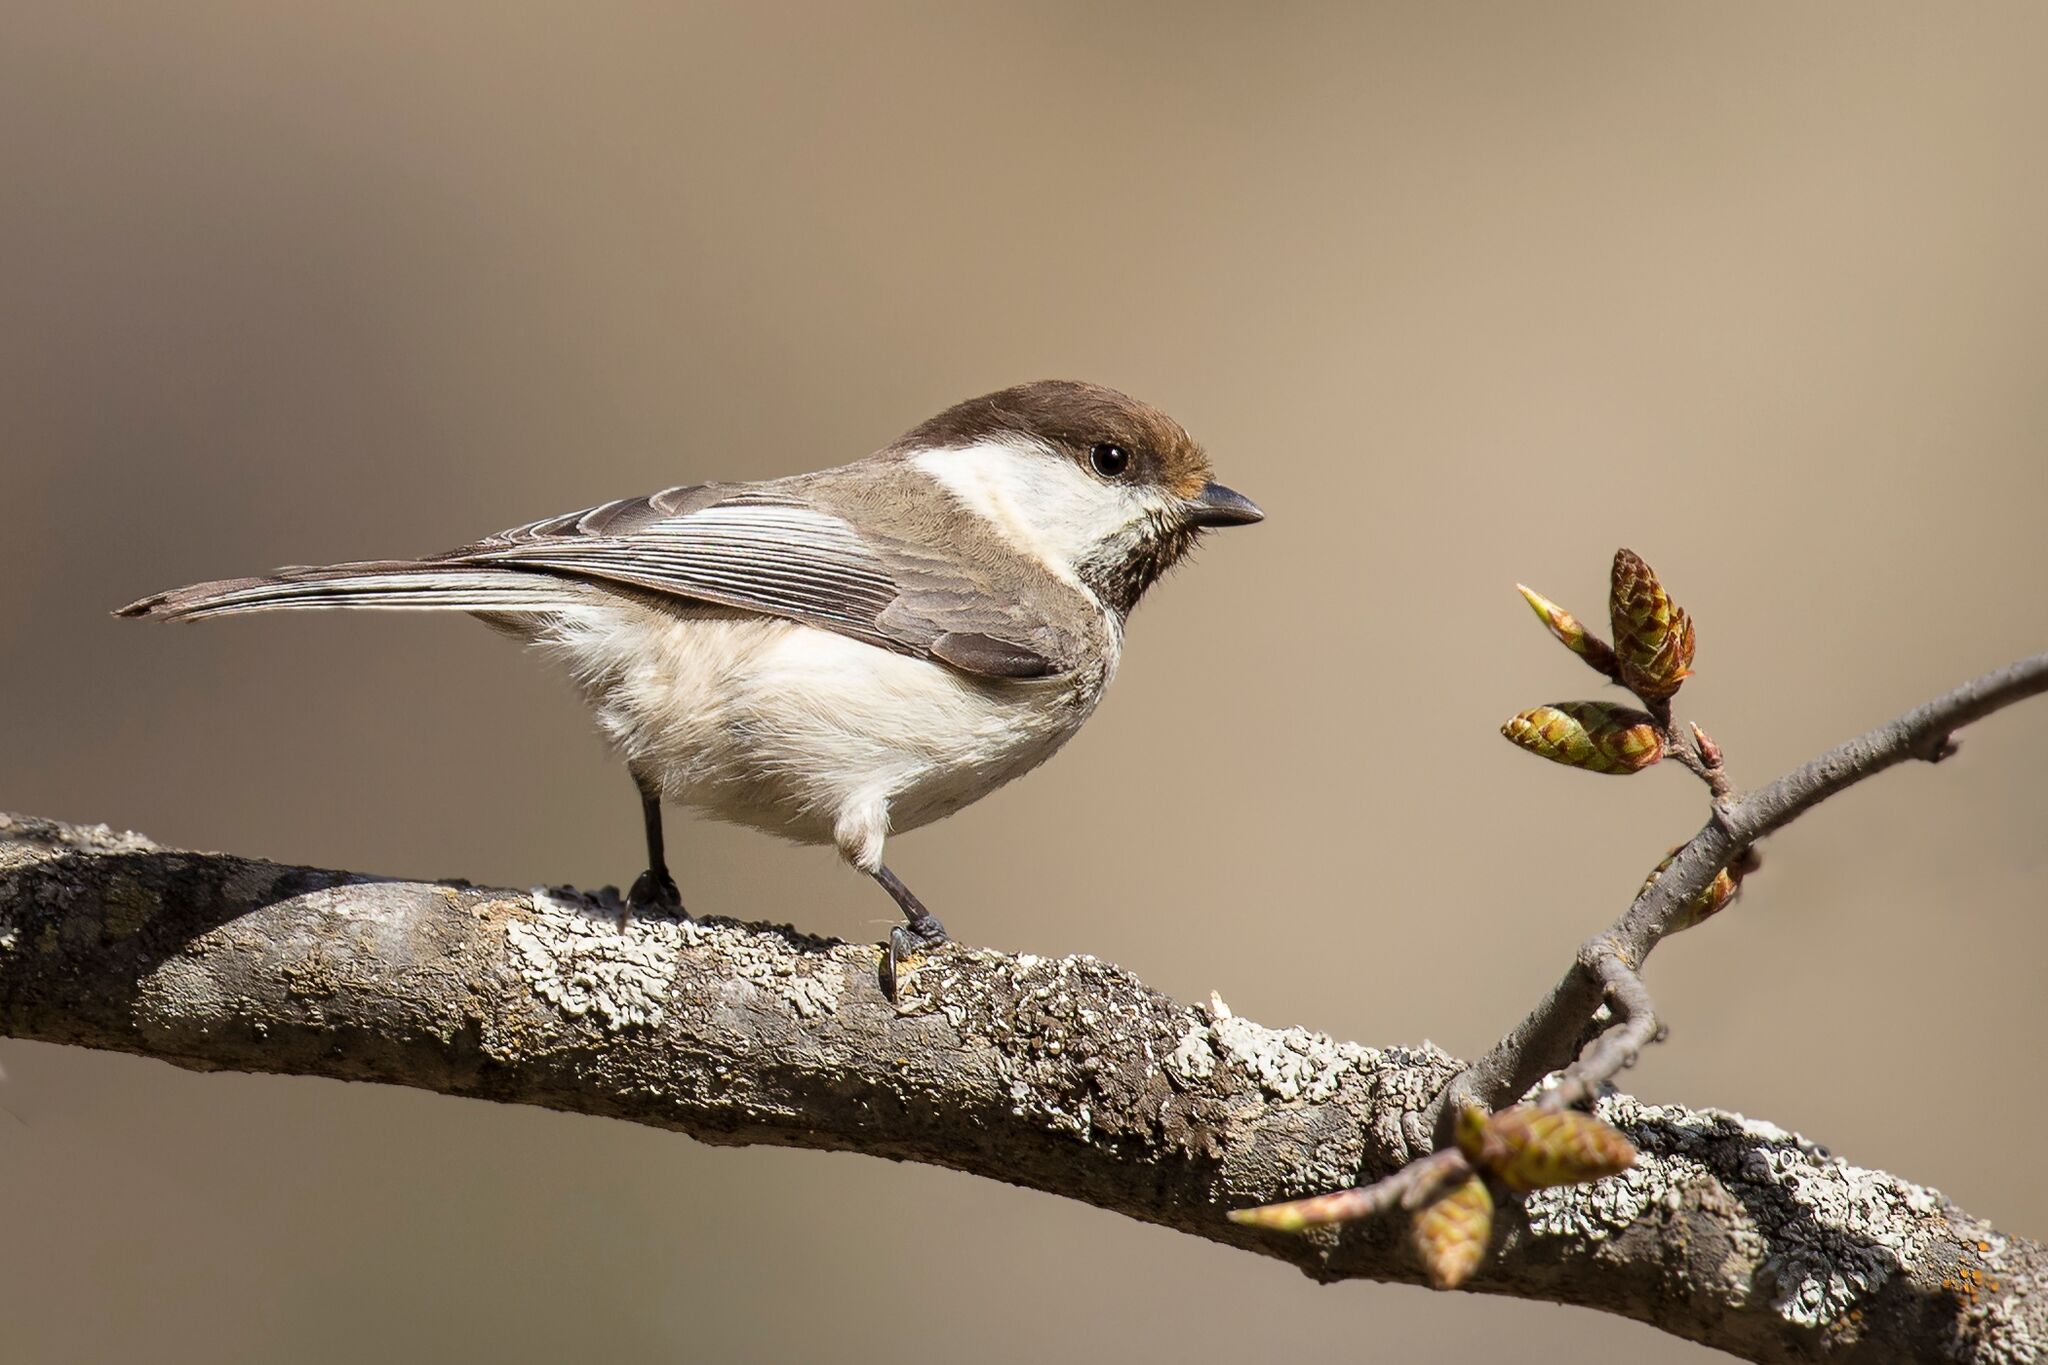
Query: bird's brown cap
x=1075 y=419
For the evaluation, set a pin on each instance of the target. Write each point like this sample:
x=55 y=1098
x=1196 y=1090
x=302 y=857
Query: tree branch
x=1548 y=1037
x=1066 y=1075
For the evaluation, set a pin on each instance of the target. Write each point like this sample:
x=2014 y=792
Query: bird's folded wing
x=780 y=555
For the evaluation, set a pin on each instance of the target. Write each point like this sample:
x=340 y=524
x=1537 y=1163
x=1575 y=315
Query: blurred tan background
x=1462 y=294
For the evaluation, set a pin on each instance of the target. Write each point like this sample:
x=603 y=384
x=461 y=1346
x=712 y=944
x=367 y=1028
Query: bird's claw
x=905 y=941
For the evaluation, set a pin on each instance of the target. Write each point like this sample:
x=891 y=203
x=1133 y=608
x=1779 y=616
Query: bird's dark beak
x=1216 y=505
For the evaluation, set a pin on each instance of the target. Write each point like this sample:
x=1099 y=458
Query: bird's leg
x=920 y=930
x=655 y=889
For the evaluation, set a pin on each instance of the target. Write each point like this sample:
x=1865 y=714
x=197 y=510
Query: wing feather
x=776 y=553
x=755 y=547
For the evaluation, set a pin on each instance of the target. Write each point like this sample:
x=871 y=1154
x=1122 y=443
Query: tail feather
x=391 y=586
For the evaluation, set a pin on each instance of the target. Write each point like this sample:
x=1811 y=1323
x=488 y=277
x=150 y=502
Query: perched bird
x=832 y=656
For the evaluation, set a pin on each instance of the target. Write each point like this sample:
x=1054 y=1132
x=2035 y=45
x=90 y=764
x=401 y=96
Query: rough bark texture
x=1066 y=1075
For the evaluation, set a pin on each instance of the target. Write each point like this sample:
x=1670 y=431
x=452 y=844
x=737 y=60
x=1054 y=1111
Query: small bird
x=832 y=656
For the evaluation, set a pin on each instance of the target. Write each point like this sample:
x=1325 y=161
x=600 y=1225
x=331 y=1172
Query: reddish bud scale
x=1451 y=1234
x=1707 y=903
x=1528 y=1148
x=1294 y=1215
x=1653 y=637
x=1593 y=735
x=1710 y=752
x=1572 y=635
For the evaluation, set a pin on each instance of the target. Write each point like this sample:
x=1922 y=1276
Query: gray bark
x=1066 y=1075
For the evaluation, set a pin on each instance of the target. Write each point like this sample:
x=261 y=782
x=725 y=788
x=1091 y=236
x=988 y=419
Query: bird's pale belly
x=804 y=733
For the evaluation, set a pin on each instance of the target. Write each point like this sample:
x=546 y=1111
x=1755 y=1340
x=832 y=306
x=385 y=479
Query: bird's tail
x=391 y=585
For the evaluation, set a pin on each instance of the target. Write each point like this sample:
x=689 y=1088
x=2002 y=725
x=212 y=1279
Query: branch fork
x=1652 y=656
x=1069 y=1075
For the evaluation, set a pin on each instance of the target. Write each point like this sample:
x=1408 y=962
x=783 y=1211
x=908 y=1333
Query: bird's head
x=1091 y=482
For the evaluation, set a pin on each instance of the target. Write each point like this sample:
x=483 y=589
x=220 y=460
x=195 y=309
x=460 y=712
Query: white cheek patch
x=1042 y=503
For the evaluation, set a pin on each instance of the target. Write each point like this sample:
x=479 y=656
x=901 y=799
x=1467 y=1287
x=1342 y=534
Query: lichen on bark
x=1064 y=1074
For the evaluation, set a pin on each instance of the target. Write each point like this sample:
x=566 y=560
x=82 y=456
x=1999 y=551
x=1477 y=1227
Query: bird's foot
x=907 y=941
x=655 y=890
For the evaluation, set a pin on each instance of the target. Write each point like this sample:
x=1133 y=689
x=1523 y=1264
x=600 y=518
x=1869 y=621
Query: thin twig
x=1700 y=756
x=1617 y=1046
x=1063 y=1074
x=1546 y=1037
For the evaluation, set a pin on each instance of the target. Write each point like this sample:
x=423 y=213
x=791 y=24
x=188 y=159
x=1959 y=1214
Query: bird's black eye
x=1109 y=460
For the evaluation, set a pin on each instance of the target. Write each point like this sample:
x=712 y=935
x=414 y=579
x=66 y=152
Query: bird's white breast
x=803 y=732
